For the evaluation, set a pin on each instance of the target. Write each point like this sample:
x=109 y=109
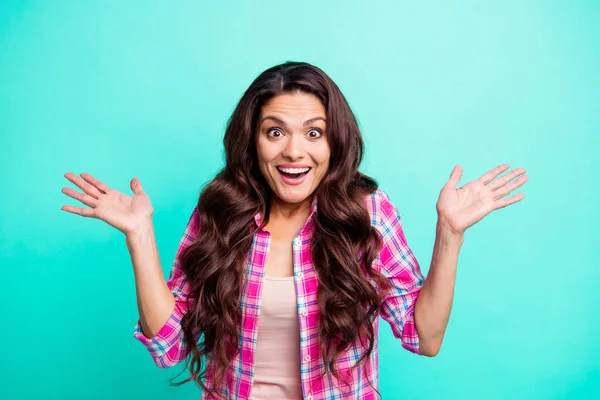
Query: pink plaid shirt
x=395 y=261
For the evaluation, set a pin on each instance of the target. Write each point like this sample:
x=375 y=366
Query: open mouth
x=293 y=174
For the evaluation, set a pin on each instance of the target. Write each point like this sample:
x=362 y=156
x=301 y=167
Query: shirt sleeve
x=400 y=266
x=168 y=347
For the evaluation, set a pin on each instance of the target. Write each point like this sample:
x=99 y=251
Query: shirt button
x=300 y=274
x=309 y=398
x=307 y=358
x=304 y=313
x=296 y=242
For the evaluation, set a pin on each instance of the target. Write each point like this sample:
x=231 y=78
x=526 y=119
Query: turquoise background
x=124 y=89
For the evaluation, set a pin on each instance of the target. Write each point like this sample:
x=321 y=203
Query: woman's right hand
x=126 y=213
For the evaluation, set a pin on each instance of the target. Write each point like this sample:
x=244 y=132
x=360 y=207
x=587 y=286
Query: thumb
x=455 y=177
x=136 y=186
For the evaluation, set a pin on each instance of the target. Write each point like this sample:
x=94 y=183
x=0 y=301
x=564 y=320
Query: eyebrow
x=308 y=121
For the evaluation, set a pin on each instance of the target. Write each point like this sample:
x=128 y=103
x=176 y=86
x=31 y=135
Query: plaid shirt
x=395 y=261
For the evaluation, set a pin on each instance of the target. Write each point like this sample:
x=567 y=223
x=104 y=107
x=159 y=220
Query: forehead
x=296 y=105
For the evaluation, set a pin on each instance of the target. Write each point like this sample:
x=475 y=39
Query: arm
x=154 y=298
x=458 y=209
x=432 y=309
x=161 y=304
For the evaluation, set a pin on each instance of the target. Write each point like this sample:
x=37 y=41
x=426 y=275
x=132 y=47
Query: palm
x=122 y=211
x=462 y=207
x=126 y=213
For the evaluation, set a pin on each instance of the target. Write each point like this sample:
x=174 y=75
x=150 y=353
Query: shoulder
x=379 y=206
x=193 y=224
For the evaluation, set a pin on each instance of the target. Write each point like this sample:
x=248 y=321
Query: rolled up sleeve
x=400 y=266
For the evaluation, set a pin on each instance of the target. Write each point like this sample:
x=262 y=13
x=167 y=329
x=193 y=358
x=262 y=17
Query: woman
x=291 y=253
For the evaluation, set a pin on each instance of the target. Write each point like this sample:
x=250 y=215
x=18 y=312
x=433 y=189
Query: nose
x=293 y=147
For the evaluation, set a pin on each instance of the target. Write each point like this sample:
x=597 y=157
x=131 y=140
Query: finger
x=454 y=177
x=488 y=177
x=84 y=198
x=136 y=186
x=101 y=186
x=84 y=212
x=83 y=185
x=503 y=191
x=500 y=182
x=505 y=202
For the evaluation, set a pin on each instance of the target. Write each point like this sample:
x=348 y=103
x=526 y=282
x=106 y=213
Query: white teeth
x=293 y=170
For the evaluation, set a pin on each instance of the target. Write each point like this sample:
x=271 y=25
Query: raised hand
x=126 y=213
x=462 y=207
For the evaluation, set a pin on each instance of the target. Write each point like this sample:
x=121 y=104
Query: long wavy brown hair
x=343 y=246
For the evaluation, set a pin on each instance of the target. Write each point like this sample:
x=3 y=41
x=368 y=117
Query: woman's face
x=292 y=147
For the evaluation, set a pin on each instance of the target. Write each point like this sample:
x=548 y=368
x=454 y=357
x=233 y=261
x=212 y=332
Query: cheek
x=322 y=157
x=267 y=155
x=263 y=152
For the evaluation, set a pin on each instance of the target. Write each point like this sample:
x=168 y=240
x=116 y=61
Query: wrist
x=445 y=230
x=144 y=228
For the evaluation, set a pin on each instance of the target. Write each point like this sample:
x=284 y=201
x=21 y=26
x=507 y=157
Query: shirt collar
x=313 y=209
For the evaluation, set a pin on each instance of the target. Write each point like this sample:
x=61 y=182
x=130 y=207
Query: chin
x=292 y=197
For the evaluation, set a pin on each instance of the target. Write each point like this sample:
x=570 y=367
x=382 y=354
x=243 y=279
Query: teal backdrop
x=121 y=89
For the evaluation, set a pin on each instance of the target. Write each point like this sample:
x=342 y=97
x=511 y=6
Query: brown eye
x=318 y=133
x=273 y=130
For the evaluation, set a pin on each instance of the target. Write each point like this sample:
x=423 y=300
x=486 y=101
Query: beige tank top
x=277 y=356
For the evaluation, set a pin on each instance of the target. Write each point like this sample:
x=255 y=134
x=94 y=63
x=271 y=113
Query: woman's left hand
x=461 y=208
